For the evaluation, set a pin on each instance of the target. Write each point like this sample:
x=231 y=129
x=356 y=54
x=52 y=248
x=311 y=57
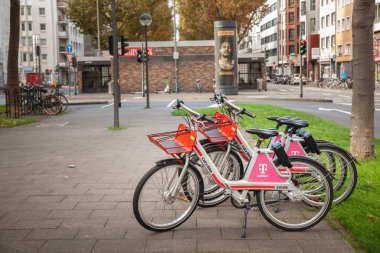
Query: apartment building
x=327 y=31
x=45 y=23
x=269 y=38
x=4 y=40
x=344 y=37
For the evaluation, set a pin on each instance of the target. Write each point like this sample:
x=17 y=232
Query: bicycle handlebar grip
x=249 y=114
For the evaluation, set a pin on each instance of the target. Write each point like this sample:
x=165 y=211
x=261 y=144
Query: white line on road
x=377 y=110
x=330 y=110
x=344 y=104
x=326 y=94
x=344 y=96
x=112 y=104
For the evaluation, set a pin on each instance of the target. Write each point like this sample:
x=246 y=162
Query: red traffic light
x=303 y=42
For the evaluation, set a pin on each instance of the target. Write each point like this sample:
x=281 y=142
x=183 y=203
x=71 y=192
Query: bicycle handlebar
x=198 y=116
x=220 y=98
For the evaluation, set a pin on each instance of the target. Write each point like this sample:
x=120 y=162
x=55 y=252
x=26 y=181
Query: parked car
x=286 y=79
x=277 y=78
x=295 y=79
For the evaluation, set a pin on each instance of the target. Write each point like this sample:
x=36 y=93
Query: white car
x=295 y=80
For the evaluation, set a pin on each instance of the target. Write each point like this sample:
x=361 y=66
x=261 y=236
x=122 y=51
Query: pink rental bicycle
x=286 y=187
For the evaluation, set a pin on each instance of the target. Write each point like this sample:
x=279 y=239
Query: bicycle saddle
x=263 y=133
x=295 y=123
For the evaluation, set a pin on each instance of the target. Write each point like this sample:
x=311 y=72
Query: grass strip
x=12 y=122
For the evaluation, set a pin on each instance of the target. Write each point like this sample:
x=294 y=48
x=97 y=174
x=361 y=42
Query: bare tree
x=363 y=104
x=14 y=38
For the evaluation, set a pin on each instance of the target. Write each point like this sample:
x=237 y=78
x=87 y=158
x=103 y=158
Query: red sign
x=375 y=47
x=133 y=51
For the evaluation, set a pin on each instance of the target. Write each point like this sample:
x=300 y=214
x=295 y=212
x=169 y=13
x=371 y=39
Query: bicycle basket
x=175 y=142
x=223 y=131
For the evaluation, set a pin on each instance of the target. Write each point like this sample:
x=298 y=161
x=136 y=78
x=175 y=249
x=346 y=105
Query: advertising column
x=225 y=57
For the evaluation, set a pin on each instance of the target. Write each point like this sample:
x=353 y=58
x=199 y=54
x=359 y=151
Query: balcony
x=61 y=4
x=63 y=35
x=62 y=19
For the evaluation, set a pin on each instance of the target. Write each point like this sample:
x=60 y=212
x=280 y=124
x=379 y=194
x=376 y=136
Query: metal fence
x=27 y=101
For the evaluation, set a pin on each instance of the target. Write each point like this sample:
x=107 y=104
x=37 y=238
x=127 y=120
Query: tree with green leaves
x=198 y=16
x=83 y=14
x=363 y=101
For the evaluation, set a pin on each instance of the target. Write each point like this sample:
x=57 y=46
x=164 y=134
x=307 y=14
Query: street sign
x=69 y=49
x=69 y=57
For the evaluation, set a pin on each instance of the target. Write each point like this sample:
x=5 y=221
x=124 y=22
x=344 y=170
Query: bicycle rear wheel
x=64 y=101
x=51 y=105
x=154 y=209
x=303 y=207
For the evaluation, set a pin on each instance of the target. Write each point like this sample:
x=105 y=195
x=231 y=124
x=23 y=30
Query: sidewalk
x=66 y=185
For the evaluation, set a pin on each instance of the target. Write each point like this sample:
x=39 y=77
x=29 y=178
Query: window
x=30 y=26
x=43 y=42
x=348 y=23
x=291 y=3
x=338 y=26
x=377 y=18
x=327 y=20
x=22 y=13
x=333 y=18
x=31 y=57
x=43 y=27
x=42 y=11
x=312 y=5
x=292 y=34
x=22 y=26
x=291 y=49
x=321 y=2
x=291 y=17
x=343 y=26
x=312 y=25
x=347 y=50
x=339 y=50
x=302 y=28
x=24 y=57
x=30 y=41
x=23 y=41
x=323 y=22
x=333 y=40
x=327 y=42
x=44 y=57
x=323 y=43
x=29 y=10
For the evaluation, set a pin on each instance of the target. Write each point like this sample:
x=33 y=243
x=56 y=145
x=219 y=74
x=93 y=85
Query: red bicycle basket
x=175 y=142
x=223 y=131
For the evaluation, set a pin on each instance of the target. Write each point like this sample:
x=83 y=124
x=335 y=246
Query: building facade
x=269 y=38
x=328 y=54
x=4 y=40
x=376 y=31
x=344 y=37
x=45 y=24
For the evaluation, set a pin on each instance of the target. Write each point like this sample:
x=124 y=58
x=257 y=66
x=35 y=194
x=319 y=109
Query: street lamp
x=146 y=20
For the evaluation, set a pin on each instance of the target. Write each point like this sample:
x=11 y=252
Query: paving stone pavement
x=46 y=205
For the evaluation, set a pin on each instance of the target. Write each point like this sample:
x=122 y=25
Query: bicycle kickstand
x=246 y=210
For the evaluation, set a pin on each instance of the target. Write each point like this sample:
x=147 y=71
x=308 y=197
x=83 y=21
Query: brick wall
x=195 y=62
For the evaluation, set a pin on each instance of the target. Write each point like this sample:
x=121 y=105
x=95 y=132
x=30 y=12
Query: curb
x=298 y=99
x=89 y=103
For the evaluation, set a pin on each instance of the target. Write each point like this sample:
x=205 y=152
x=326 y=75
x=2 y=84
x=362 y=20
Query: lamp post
x=115 y=65
x=98 y=26
x=146 y=20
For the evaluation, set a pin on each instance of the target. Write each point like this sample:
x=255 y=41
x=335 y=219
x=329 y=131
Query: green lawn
x=360 y=214
x=8 y=122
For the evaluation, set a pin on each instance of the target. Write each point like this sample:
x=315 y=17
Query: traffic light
x=74 y=62
x=124 y=45
x=110 y=45
x=303 y=47
x=266 y=56
x=139 y=56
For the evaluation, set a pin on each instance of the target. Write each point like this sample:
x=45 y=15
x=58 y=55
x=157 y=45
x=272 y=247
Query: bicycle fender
x=340 y=148
x=163 y=162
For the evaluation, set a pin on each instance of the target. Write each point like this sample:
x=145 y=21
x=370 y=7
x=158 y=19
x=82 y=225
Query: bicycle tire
x=301 y=202
x=343 y=170
x=64 y=102
x=142 y=206
x=51 y=105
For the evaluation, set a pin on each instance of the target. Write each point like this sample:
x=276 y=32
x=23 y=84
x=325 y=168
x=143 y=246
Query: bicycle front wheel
x=304 y=206
x=64 y=102
x=51 y=105
x=157 y=205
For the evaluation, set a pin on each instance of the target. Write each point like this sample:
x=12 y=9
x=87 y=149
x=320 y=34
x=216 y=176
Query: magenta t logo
x=263 y=168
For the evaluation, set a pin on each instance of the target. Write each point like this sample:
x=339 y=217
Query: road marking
x=107 y=106
x=377 y=110
x=284 y=90
x=330 y=110
x=57 y=124
x=344 y=104
x=344 y=96
x=326 y=94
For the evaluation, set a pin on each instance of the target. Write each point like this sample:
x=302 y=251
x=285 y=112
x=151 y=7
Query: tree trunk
x=14 y=38
x=363 y=104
